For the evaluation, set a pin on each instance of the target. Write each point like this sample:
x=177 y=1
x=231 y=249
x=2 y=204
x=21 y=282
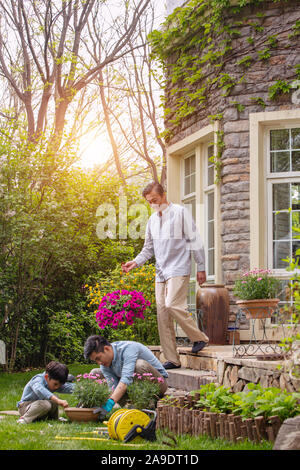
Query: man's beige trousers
x=171 y=303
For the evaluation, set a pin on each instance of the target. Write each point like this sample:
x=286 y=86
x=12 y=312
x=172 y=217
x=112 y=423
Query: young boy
x=38 y=400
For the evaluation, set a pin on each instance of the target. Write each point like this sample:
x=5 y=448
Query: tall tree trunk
x=109 y=130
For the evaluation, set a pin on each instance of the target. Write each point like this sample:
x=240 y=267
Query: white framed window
x=209 y=210
x=188 y=199
x=283 y=201
x=283 y=195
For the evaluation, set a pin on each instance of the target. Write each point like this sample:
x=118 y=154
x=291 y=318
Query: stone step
x=206 y=360
x=188 y=379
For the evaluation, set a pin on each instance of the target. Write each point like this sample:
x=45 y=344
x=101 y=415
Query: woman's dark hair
x=57 y=371
x=95 y=343
x=157 y=187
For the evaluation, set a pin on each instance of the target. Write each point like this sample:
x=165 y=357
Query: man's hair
x=157 y=187
x=57 y=371
x=95 y=343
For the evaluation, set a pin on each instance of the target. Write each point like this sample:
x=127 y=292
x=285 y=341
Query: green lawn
x=49 y=435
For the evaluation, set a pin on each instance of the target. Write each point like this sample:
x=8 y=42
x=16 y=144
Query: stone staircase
x=217 y=364
x=196 y=369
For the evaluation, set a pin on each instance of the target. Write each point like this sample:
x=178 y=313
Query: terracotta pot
x=258 y=308
x=81 y=414
x=213 y=300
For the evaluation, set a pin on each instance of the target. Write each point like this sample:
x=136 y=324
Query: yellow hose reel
x=132 y=425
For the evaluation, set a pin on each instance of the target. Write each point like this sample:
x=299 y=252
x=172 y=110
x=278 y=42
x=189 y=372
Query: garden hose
x=132 y=425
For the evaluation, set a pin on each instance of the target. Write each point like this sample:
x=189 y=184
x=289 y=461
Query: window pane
x=191 y=206
x=193 y=183
x=193 y=268
x=281 y=250
x=210 y=175
x=210 y=166
x=192 y=295
x=210 y=235
x=295 y=138
x=281 y=226
x=193 y=163
x=281 y=196
x=280 y=161
x=210 y=206
x=210 y=151
x=187 y=185
x=295 y=161
x=280 y=139
x=211 y=263
x=295 y=196
x=296 y=224
x=296 y=248
x=187 y=166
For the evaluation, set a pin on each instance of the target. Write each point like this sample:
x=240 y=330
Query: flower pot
x=81 y=414
x=258 y=308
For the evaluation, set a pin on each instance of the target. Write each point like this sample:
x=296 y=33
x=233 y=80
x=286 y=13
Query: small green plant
x=266 y=402
x=257 y=284
x=239 y=106
x=144 y=392
x=215 y=117
x=91 y=391
x=264 y=54
x=257 y=401
x=297 y=68
x=217 y=399
x=296 y=30
x=217 y=159
x=227 y=83
x=246 y=61
x=259 y=101
x=273 y=41
x=279 y=88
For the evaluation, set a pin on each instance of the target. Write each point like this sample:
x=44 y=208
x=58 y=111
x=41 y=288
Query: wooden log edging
x=180 y=417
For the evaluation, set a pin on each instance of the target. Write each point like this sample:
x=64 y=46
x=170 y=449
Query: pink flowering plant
x=257 y=284
x=121 y=307
x=144 y=391
x=91 y=391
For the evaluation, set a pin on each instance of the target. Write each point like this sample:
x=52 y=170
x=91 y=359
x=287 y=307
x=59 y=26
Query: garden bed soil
x=182 y=417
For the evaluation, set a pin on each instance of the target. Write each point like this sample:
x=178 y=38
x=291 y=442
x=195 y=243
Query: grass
x=49 y=435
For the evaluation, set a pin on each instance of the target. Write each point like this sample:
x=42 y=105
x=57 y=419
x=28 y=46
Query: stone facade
x=252 y=82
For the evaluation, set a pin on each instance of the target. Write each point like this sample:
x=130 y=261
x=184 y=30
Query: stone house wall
x=258 y=22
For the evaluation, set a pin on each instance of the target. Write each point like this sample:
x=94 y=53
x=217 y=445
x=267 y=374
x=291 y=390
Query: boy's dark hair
x=57 y=371
x=95 y=343
x=157 y=187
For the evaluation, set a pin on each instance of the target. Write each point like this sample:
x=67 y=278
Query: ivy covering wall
x=207 y=49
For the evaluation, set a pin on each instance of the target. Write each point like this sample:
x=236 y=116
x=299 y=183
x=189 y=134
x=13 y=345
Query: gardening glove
x=103 y=410
x=108 y=406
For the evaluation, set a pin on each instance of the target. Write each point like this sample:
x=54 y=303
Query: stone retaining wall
x=237 y=374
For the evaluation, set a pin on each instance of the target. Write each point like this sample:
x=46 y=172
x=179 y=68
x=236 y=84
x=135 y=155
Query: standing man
x=170 y=236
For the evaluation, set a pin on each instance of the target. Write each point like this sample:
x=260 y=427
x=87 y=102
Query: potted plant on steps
x=257 y=292
x=91 y=391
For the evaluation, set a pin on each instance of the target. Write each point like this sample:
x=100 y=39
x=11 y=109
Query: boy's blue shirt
x=37 y=389
x=122 y=367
